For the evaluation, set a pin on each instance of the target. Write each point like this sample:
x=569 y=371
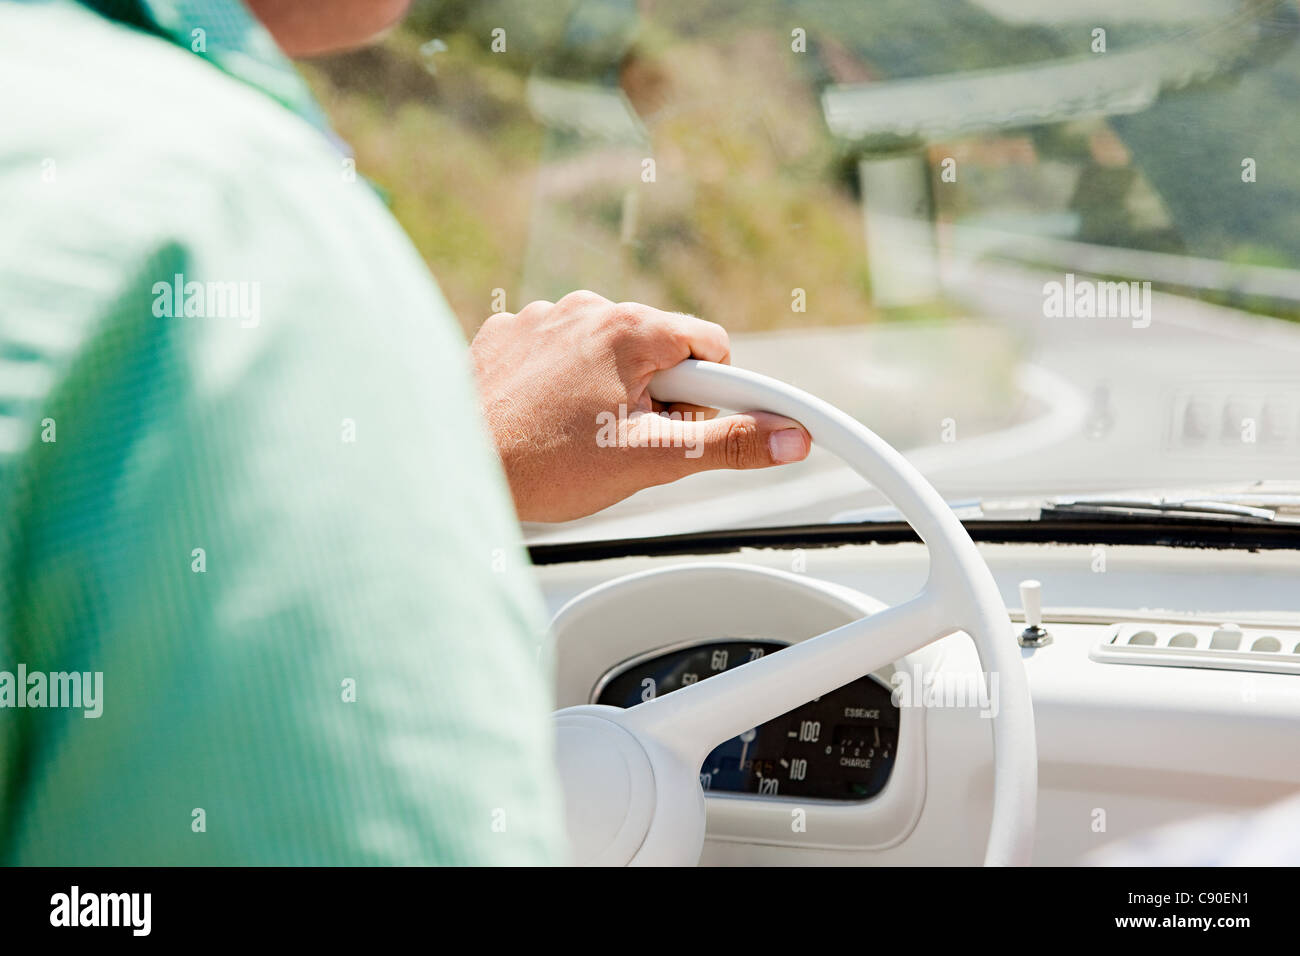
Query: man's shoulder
x=91 y=88
x=119 y=147
x=135 y=173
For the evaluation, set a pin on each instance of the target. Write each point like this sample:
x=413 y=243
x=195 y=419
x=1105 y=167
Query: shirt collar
x=226 y=34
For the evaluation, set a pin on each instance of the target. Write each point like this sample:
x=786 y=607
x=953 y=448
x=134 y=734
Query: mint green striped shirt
x=242 y=476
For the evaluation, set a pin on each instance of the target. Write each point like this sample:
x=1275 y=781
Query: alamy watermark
x=1088 y=299
x=77 y=908
x=649 y=430
x=76 y=689
x=208 y=300
x=947 y=690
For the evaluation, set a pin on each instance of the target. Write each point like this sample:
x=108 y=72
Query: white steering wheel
x=637 y=769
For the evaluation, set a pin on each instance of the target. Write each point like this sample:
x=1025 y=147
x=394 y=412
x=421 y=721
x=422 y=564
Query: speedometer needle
x=745 y=740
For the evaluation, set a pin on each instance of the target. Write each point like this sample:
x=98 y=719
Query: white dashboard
x=1129 y=737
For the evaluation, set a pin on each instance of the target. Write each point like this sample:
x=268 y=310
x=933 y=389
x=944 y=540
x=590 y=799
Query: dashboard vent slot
x=1226 y=647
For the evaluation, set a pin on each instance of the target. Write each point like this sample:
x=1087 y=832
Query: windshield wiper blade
x=1203 y=508
x=1197 y=506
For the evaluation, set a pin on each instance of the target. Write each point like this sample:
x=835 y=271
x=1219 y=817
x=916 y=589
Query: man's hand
x=564 y=390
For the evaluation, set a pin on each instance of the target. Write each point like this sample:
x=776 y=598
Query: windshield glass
x=1043 y=249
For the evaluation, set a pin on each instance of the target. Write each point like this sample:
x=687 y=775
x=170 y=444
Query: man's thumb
x=749 y=440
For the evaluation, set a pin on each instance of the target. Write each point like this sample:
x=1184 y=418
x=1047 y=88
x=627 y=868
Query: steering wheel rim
x=661 y=743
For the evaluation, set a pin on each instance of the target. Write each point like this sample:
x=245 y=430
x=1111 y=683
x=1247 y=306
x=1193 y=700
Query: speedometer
x=840 y=746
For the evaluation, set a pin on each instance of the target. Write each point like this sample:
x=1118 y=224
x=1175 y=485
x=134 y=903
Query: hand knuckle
x=740 y=445
x=627 y=316
x=581 y=298
x=625 y=330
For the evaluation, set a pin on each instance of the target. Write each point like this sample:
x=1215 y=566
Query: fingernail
x=787 y=445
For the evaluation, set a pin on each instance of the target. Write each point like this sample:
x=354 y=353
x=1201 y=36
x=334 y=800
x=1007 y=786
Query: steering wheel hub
x=609 y=791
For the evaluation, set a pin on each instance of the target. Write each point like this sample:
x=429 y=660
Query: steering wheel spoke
x=693 y=720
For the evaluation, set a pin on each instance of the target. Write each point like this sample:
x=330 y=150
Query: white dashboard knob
x=1031 y=599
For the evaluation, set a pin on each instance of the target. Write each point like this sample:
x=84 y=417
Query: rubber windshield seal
x=1165 y=532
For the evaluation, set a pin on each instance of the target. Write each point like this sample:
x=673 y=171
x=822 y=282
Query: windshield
x=1043 y=249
